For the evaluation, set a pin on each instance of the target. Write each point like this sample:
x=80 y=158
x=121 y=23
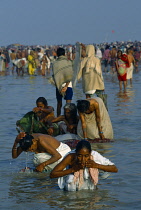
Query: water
x=36 y=190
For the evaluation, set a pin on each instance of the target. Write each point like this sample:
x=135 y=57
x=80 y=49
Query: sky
x=55 y=22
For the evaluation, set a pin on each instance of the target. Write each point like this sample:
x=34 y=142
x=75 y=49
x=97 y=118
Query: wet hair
x=83 y=105
x=26 y=142
x=42 y=99
x=83 y=144
x=60 y=51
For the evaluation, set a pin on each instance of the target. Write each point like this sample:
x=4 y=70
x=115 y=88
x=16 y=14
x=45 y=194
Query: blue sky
x=49 y=22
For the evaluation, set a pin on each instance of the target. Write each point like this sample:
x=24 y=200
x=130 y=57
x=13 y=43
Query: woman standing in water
x=121 y=67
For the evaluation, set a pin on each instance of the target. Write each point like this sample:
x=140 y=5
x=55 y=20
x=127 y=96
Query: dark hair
x=26 y=142
x=42 y=99
x=60 y=51
x=107 y=47
x=83 y=105
x=83 y=144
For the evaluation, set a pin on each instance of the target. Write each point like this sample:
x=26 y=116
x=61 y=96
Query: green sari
x=30 y=123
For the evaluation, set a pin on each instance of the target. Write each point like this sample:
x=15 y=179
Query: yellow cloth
x=31 y=65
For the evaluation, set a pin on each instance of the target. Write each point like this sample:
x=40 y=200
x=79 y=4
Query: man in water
x=48 y=150
x=62 y=74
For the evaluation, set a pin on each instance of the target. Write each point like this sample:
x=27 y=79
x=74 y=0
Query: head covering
x=92 y=61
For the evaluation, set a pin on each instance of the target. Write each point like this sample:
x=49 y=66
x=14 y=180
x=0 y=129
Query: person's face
x=119 y=54
x=67 y=113
x=40 y=105
x=83 y=155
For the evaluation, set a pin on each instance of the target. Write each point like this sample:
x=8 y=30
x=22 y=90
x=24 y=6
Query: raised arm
x=16 y=151
x=108 y=168
x=67 y=166
x=58 y=119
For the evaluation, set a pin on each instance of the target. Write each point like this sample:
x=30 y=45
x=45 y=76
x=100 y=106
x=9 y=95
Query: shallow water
x=36 y=190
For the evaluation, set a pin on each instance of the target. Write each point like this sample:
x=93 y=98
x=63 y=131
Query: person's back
x=13 y=55
x=62 y=75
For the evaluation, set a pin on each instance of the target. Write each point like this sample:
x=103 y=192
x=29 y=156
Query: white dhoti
x=39 y=158
x=130 y=72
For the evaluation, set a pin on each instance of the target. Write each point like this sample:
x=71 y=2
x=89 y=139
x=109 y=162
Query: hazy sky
x=49 y=22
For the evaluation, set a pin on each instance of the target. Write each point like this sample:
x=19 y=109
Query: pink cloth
x=93 y=174
x=106 y=55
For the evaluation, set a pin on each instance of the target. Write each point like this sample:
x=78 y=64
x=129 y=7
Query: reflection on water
x=36 y=190
x=39 y=188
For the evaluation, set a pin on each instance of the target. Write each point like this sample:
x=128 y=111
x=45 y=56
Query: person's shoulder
x=50 y=107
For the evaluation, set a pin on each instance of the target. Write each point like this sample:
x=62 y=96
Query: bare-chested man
x=48 y=150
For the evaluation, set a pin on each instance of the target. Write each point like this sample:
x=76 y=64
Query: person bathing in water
x=79 y=169
x=48 y=150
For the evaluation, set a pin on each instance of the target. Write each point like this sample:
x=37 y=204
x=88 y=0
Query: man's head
x=26 y=142
x=60 y=51
x=83 y=105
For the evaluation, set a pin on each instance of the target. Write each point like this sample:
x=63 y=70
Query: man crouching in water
x=48 y=150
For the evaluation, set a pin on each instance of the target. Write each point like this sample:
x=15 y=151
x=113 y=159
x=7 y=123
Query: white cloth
x=98 y=53
x=67 y=182
x=130 y=72
x=39 y=158
x=91 y=125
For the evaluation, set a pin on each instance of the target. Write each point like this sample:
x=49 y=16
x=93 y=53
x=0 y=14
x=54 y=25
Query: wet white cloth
x=67 y=182
x=39 y=158
x=91 y=125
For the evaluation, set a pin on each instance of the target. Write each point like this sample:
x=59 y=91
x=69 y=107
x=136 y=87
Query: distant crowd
x=33 y=59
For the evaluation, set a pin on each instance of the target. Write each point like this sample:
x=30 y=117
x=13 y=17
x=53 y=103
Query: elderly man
x=48 y=150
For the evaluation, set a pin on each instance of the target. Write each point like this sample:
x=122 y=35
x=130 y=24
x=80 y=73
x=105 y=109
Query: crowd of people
x=88 y=119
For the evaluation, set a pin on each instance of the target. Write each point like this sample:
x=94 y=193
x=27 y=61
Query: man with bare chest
x=48 y=150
